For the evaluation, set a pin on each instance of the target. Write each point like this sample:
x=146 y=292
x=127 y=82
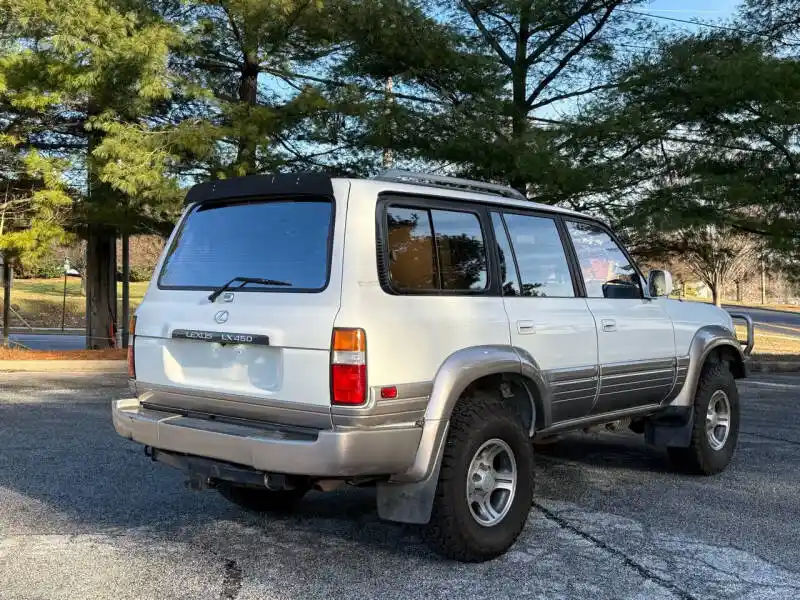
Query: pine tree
x=709 y=130
x=504 y=73
x=76 y=73
x=246 y=109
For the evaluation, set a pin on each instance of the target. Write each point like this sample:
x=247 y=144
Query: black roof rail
x=455 y=183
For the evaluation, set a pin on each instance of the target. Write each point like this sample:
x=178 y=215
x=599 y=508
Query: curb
x=773 y=366
x=64 y=366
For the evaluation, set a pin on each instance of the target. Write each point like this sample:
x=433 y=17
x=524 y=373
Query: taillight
x=349 y=367
x=131 y=357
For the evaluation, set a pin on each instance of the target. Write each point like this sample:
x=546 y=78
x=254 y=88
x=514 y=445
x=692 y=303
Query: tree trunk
x=101 y=287
x=519 y=123
x=248 y=95
x=716 y=293
x=519 y=90
x=101 y=253
x=6 y=299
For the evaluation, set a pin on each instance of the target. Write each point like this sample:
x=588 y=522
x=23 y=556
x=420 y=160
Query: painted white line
x=787 y=386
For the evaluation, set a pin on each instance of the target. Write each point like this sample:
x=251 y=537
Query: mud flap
x=411 y=502
x=671 y=429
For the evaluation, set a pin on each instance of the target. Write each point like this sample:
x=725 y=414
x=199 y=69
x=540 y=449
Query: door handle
x=526 y=327
x=608 y=324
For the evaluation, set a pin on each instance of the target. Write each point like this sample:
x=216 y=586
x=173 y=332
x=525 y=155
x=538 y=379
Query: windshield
x=285 y=240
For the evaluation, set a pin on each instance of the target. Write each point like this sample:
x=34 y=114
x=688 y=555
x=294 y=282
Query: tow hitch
x=203 y=473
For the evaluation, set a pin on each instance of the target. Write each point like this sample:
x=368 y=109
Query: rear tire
x=715 y=431
x=261 y=500
x=488 y=456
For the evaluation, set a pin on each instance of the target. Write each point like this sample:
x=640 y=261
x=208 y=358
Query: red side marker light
x=389 y=393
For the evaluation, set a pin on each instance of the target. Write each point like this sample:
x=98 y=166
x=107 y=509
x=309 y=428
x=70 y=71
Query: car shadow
x=620 y=450
x=62 y=462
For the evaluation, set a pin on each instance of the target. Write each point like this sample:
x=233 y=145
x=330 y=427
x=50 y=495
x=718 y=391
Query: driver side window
x=606 y=270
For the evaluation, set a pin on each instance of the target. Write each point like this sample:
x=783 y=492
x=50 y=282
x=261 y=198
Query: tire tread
x=698 y=457
x=443 y=532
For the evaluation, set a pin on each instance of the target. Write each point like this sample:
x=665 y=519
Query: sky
x=693 y=9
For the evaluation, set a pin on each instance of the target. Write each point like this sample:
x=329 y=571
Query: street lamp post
x=67 y=268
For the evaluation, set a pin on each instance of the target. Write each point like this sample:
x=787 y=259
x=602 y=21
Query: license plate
x=221 y=337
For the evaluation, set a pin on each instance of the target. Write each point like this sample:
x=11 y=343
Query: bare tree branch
x=566 y=95
x=583 y=11
x=487 y=35
x=562 y=64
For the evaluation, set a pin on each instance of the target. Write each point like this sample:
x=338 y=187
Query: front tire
x=485 y=486
x=715 y=431
x=261 y=500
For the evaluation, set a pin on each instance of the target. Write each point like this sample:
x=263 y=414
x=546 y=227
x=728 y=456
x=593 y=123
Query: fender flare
x=705 y=341
x=456 y=373
x=408 y=497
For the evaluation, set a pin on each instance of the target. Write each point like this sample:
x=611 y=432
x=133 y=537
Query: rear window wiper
x=244 y=281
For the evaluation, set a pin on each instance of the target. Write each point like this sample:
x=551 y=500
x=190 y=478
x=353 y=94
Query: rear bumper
x=326 y=453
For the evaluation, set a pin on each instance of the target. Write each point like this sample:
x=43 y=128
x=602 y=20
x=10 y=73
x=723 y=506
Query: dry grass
x=39 y=302
x=769 y=343
x=22 y=354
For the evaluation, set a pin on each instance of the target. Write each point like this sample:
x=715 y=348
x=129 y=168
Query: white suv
x=415 y=333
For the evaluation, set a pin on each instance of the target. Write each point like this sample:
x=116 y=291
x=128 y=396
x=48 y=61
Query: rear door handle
x=608 y=324
x=526 y=327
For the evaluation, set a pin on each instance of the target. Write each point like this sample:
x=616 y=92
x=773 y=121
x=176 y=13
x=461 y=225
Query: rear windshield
x=283 y=240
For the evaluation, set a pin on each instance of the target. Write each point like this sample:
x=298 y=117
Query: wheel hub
x=491 y=482
x=485 y=479
x=718 y=420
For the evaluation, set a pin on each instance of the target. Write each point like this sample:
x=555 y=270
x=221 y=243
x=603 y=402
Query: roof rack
x=456 y=183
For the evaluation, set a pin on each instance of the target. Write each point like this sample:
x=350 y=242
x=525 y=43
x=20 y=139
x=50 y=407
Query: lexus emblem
x=221 y=316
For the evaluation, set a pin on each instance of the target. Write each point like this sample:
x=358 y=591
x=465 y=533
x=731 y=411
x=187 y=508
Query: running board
x=598 y=419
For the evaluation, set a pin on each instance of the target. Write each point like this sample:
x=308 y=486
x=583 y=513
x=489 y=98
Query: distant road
x=773 y=321
x=47 y=341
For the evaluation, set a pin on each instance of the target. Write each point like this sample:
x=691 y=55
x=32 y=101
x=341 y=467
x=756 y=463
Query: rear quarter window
x=433 y=250
x=285 y=240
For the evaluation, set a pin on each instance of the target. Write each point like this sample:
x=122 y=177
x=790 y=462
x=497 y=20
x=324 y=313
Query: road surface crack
x=231 y=581
x=643 y=571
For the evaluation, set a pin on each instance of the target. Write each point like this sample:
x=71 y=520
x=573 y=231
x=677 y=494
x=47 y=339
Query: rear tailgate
x=265 y=344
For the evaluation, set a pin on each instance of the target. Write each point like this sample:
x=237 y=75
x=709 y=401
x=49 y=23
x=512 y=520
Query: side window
x=606 y=270
x=410 y=246
x=508 y=269
x=435 y=250
x=541 y=259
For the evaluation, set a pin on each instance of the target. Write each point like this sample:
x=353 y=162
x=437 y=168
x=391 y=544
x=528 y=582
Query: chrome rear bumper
x=339 y=452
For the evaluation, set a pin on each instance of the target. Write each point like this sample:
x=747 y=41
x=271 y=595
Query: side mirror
x=659 y=283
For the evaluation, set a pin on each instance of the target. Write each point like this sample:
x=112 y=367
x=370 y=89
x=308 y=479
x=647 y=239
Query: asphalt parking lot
x=83 y=514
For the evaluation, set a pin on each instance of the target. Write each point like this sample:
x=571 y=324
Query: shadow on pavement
x=64 y=458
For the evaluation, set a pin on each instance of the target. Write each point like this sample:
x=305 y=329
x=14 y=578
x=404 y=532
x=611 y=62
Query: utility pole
x=763 y=280
x=387 y=151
